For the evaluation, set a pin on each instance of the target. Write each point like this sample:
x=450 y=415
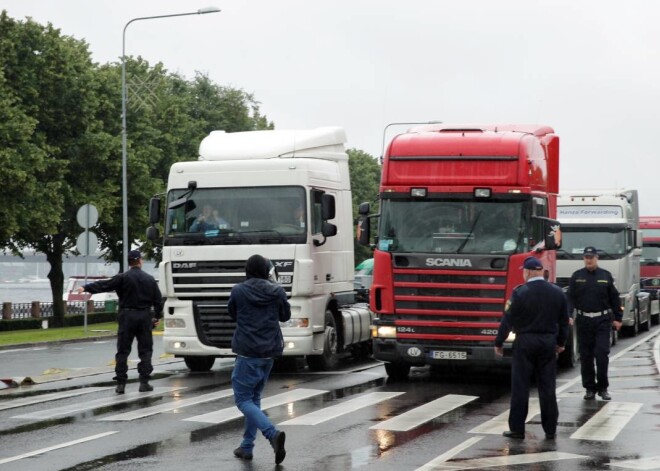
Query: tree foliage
x=365 y=179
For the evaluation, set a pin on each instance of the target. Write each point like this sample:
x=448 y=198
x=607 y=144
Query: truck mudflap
x=420 y=355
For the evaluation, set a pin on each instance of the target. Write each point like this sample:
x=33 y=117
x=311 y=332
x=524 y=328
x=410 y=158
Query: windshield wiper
x=568 y=254
x=467 y=237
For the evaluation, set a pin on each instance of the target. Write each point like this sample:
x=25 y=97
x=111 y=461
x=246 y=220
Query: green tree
x=365 y=179
x=50 y=80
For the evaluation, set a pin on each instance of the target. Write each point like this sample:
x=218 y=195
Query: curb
x=57 y=342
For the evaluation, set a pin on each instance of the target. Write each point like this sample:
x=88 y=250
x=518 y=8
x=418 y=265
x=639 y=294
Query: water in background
x=24 y=282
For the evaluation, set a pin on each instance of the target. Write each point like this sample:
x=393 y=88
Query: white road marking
x=422 y=414
x=103 y=402
x=323 y=415
x=31 y=349
x=495 y=461
x=55 y=447
x=606 y=424
x=231 y=413
x=500 y=423
x=449 y=454
x=642 y=464
x=28 y=401
x=170 y=406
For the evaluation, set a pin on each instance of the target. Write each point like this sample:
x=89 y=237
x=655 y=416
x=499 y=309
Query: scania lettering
x=460 y=209
x=285 y=195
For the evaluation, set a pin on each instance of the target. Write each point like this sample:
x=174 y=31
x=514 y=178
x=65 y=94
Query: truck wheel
x=199 y=364
x=397 y=371
x=570 y=356
x=329 y=359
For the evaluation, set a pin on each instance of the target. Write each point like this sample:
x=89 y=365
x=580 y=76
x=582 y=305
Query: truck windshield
x=608 y=240
x=465 y=226
x=651 y=253
x=246 y=215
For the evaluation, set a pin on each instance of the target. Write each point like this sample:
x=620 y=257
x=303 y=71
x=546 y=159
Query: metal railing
x=38 y=310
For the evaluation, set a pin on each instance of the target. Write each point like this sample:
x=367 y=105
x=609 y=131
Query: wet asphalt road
x=344 y=420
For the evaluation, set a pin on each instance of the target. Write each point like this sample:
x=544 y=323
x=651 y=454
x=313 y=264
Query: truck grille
x=208 y=285
x=458 y=307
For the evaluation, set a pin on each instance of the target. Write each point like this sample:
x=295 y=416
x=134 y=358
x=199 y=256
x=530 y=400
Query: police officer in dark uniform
x=592 y=293
x=137 y=292
x=538 y=314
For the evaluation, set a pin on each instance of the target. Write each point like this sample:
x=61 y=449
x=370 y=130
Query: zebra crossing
x=604 y=425
x=597 y=421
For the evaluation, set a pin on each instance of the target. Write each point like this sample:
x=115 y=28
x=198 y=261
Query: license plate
x=448 y=355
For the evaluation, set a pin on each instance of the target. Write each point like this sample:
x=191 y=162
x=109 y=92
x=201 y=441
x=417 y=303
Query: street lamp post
x=124 y=190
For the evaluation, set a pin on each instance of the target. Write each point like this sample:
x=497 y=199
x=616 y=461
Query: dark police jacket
x=258 y=306
x=136 y=290
x=537 y=307
x=594 y=291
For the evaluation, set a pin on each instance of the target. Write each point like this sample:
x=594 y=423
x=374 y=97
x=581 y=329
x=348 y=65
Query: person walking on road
x=592 y=293
x=538 y=314
x=138 y=292
x=258 y=306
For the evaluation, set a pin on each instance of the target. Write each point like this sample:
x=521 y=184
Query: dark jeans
x=594 y=336
x=248 y=380
x=534 y=354
x=134 y=324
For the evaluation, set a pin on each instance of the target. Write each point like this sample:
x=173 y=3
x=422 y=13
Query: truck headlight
x=175 y=323
x=297 y=322
x=383 y=331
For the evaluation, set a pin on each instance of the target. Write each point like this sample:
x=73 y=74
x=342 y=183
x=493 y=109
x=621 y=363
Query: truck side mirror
x=152 y=233
x=327 y=207
x=363 y=230
x=154 y=210
x=327 y=230
x=638 y=239
x=552 y=234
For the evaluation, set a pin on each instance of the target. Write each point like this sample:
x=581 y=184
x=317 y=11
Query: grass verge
x=17 y=337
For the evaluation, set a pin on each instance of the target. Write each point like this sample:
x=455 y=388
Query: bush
x=20 y=324
x=95 y=318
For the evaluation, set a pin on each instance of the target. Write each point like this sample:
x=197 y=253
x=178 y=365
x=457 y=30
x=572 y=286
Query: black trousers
x=534 y=355
x=594 y=336
x=132 y=325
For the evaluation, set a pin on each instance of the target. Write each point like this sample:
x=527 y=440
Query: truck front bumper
x=416 y=354
x=183 y=345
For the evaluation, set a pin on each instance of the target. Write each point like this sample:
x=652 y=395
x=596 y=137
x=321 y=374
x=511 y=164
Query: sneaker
x=146 y=387
x=242 y=454
x=120 y=388
x=604 y=395
x=277 y=442
x=590 y=395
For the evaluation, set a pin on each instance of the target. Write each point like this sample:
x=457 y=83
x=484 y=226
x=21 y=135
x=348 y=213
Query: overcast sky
x=588 y=68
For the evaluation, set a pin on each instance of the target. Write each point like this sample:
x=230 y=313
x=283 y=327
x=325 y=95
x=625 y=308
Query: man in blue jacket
x=538 y=314
x=258 y=306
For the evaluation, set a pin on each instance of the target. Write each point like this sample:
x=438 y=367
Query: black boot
x=120 y=388
x=145 y=387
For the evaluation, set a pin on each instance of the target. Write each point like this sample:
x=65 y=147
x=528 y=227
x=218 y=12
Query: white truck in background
x=285 y=195
x=609 y=221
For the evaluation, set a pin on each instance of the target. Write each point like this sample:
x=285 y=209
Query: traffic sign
x=87 y=216
x=87 y=243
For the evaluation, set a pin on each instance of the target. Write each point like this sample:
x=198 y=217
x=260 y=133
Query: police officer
x=592 y=293
x=538 y=314
x=137 y=292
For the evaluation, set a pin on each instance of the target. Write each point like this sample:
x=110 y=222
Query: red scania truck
x=461 y=207
x=650 y=262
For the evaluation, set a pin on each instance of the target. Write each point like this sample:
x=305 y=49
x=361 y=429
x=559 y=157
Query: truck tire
x=397 y=371
x=199 y=364
x=570 y=356
x=329 y=359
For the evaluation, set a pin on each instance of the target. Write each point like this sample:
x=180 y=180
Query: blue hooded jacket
x=258 y=306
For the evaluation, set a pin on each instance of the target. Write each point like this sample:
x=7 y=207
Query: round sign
x=87 y=216
x=87 y=243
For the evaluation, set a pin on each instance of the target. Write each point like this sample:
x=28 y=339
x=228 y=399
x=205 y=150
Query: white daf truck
x=286 y=195
x=609 y=221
